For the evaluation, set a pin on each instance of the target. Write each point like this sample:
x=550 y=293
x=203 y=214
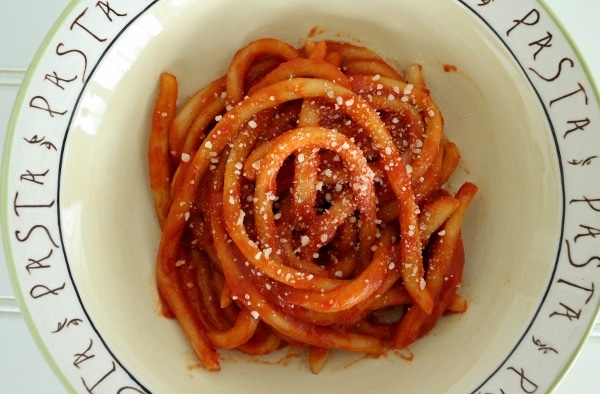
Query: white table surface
x=24 y=24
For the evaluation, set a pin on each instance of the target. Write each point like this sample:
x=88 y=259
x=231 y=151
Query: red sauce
x=163 y=310
x=315 y=31
x=450 y=68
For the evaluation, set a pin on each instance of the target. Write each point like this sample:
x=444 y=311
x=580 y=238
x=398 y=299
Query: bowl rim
x=5 y=199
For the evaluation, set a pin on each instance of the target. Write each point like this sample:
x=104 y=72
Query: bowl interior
x=511 y=232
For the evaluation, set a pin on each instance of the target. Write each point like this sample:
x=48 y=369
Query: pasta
x=301 y=203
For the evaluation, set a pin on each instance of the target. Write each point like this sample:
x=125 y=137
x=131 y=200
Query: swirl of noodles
x=299 y=196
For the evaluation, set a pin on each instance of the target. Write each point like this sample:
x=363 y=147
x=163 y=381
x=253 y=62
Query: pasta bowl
x=79 y=207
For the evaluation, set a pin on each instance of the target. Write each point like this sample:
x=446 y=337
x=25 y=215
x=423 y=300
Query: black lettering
x=543 y=347
x=80 y=358
x=555 y=76
x=77 y=23
x=583 y=162
x=17 y=206
x=39 y=291
x=31 y=230
x=531 y=19
x=91 y=389
x=41 y=141
x=580 y=265
x=33 y=178
x=106 y=8
x=56 y=80
x=589 y=201
x=542 y=43
x=568 y=312
x=37 y=264
x=67 y=323
x=129 y=389
x=527 y=385
x=74 y=51
x=591 y=232
x=589 y=290
x=578 y=125
x=580 y=90
x=44 y=105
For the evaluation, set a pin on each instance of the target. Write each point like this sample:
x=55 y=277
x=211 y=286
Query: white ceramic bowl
x=495 y=108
